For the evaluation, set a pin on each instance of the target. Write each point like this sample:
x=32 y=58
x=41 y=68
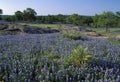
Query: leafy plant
x=79 y=57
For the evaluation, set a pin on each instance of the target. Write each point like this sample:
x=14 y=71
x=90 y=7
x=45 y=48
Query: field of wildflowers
x=49 y=58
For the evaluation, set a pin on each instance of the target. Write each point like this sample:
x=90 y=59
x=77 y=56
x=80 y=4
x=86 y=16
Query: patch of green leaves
x=79 y=57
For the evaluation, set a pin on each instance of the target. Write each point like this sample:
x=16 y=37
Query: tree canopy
x=74 y=18
x=19 y=15
x=29 y=14
x=0 y=13
x=106 y=19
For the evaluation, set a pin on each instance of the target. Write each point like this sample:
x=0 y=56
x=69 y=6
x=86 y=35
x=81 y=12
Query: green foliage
x=112 y=38
x=42 y=54
x=79 y=57
x=118 y=18
x=75 y=19
x=29 y=14
x=75 y=35
x=54 y=26
x=79 y=20
x=87 y=20
x=50 y=19
x=60 y=18
x=95 y=20
x=54 y=57
x=19 y=15
x=0 y=13
x=118 y=14
x=10 y=18
x=106 y=20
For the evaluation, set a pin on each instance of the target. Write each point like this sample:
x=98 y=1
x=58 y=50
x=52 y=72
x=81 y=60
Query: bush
x=75 y=35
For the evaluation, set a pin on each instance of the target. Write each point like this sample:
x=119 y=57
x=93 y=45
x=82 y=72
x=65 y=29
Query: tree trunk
x=106 y=29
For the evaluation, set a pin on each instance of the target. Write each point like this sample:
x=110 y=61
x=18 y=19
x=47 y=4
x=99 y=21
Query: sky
x=66 y=7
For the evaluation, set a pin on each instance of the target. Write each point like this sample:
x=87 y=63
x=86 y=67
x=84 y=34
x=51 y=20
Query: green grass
x=112 y=38
x=100 y=30
x=53 y=26
x=46 y=25
x=64 y=26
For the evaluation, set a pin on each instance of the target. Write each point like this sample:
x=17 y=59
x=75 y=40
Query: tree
x=75 y=19
x=96 y=20
x=29 y=14
x=118 y=18
x=107 y=19
x=87 y=20
x=50 y=19
x=40 y=19
x=19 y=15
x=118 y=14
x=60 y=18
x=1 y=13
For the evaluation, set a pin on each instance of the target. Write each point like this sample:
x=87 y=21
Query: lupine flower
x=21 y=59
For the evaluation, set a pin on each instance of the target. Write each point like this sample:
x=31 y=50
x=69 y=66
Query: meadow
x=102 y=30
x=61 y=42
x=53 y=26
x=59 y=57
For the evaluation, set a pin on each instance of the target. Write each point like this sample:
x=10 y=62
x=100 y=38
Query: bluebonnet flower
x=18 y=54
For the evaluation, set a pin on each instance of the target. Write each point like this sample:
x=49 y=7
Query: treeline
x=30 y=15
x=106 y=19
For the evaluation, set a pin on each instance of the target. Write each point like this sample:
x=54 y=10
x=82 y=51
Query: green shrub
x=79 y=57
x=75 y=35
